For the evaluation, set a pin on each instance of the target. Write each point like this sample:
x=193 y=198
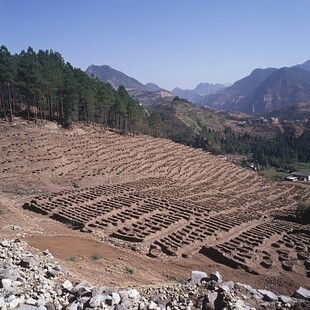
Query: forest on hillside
x=41 y=85
x=279 y=152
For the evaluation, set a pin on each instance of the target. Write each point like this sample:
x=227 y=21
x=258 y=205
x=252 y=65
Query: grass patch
x=96 y=257
x=173 y=278
x=72 y=259
x=301 y=166
x=273 y=175
x=129 y=270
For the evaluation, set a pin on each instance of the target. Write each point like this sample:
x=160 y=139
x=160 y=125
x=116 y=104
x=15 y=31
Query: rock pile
x=37 y=282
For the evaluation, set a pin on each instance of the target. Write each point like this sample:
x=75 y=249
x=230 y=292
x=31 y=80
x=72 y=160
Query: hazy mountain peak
x=153 y=87
x=305 y=65
x=116 y=78
x=195 y=95
x=264 y=90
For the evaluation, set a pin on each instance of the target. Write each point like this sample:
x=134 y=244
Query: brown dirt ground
x=102 y=263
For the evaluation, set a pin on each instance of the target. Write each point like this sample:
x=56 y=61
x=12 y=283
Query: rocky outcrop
x=38 y=282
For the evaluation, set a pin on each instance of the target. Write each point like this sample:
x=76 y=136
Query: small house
x=300 y=175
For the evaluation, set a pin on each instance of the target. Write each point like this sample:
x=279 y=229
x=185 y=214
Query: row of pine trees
x=43 y=86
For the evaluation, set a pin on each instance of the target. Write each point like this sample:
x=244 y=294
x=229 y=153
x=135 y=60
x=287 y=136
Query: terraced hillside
x=170 y=199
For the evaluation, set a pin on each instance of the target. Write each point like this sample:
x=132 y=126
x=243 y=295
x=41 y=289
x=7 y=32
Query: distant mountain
x=285 y=87
x=153 y=87
x=116 y=78
x=195 y=95
x=147 y=95
x=238 y=96
x=305 y=65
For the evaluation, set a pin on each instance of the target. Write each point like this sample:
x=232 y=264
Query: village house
x=300 y=175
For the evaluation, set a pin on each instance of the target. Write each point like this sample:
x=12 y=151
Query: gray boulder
x=116 y=298
x=216 y=276
x=268 y=296
x=67 y=285
x=286 y=299
x=302 y=293
x=211 y=298
x=197 y=276
x=5 y=243
x=6 y=283
x=26 y=307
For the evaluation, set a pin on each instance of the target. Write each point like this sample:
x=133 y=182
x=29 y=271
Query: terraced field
x=171 y=199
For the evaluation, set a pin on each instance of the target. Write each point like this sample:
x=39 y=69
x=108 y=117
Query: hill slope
x=300 y=111
x=159 y=196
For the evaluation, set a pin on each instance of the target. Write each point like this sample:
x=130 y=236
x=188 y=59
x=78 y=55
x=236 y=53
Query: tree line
x=43 y=86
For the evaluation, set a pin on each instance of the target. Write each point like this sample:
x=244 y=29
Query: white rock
x=46 y=252
x=26 y=307
x=212 y=296
x=97 y=300
x=31 y=301
x=11 y=297
x=302 y=293
x=14 y=303
x=6 y=283
x=2 y=302
x=115 y=299
x=286 y=299
x=67 y=285
x=41 y=302
x=269 y=296
x=5 y=243
x=17 y=283
x=152 y=305
x=239 y=305
x=133 y=294
x=197 y=276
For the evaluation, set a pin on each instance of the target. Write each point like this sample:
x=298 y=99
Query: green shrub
x=303 y=213
x=72 y=259
x=95 y=257
x=129 y=270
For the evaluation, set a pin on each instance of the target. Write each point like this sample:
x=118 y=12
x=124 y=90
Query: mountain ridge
x=195 y=95
x=116 y=78
x=262 y=91
x=265 y=90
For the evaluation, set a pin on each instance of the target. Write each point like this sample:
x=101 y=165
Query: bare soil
x=163 y=195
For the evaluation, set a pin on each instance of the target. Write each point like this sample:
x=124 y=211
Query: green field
x=273 y=175
x=300 y=166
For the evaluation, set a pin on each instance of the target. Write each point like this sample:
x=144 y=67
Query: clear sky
x=169 y=42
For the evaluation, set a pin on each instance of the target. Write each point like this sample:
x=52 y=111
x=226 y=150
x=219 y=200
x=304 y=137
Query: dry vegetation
x=160 y=198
